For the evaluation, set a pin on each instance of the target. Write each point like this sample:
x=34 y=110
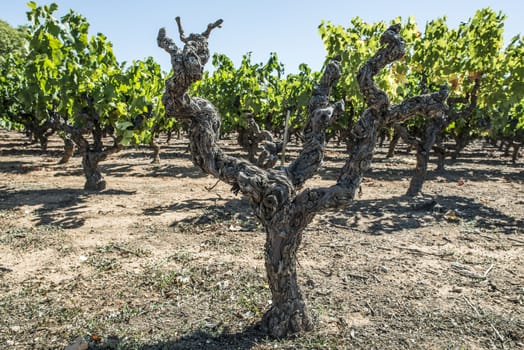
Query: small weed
x=39 y=237
x=168 y=283
x=180 y=257
x=102 y=263
x=213 y=242
x=124 y=315
x=123 y=250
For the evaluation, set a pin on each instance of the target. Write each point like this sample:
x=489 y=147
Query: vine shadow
x=197 y=340
x=490 y=162
x=388 y=216
x=210 y=211
x=167 y=151
x=17 y=167
x=396 y=170
x=61 y=207
x=137 y=170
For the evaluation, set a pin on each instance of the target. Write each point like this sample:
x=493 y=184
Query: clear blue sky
x=287 y=27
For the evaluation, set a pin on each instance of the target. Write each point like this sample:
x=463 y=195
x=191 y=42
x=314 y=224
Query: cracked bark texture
x=274 y=195
x=156 y=150
x=251 y=136
x=423 y=146
x=460 y=107
x=69 y=149
x=92 y=154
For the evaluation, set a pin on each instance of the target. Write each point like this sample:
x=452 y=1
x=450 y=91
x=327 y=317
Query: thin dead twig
x=421 y=252
x=331 y=224
x=485 y=236
x=212 y=187
x=335 y=245
x=488 y=270
x=516 y=240
x=464 y=271
x=382 y=248
x=472 y=306
x=326 y=273
x=354 y=275
x=375 y=277
x=496 y=331
x=501 y=338
x=126 y=250
x=373 y=313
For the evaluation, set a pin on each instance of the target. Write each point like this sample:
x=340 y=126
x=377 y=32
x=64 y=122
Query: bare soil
x=157 y=261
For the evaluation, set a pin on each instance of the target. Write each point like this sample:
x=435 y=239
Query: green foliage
x=440 y=55
x=13 y=47
x=505 y=103
x=141 y=89
x=11 y=82
x=355 y=44
x=69 y=75
x=75 y=78
x=11 y=39
x=259 y=88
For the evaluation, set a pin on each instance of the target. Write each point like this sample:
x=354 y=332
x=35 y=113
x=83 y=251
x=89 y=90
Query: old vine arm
x=166 y=43
x=364 y=132
x=180 y=30
x=212 y=26
x=321 y=114
x=266 y=189
x=430 y=105
x=378 y=114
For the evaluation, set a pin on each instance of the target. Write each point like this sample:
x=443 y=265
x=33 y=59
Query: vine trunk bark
x=276 y=195
x=288 y=312
x=94 y=179
x=424 y=147
x=69 y=149
x=393 y=144
x=156 y=151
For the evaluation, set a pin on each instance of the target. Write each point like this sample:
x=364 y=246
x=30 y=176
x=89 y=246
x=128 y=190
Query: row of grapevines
x=258 y=88
x=71 y=83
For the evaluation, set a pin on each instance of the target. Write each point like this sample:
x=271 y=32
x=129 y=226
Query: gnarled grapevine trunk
x=39 y=132
x=515 y=154
x=251 y=136
x=91 y=155
x=69 y=149
x=424 y=147
x=460 y=108
x=288 y=312
x=94 y=179
x=275 y=195
x=156 y=150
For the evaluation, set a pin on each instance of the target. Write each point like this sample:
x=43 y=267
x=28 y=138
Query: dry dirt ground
x=157 y=261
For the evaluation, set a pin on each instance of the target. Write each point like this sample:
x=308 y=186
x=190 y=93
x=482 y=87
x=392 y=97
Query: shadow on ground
x=197 y=340
x=394 y=214
x=210 y=211
x=61 y=207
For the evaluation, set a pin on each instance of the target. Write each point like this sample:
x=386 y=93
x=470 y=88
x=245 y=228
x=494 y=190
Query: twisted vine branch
x=273 y=193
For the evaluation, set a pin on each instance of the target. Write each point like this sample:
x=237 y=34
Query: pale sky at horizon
x=287 y=27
